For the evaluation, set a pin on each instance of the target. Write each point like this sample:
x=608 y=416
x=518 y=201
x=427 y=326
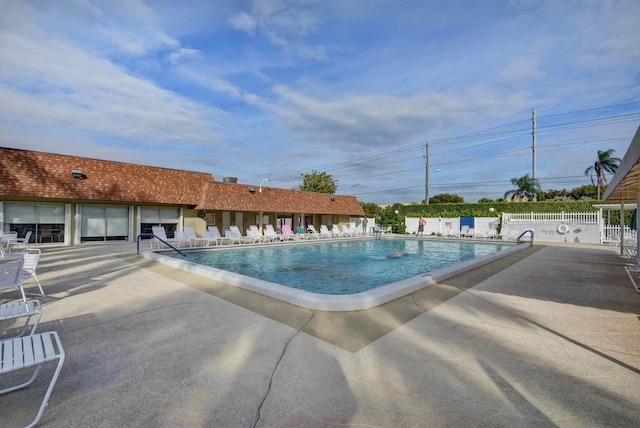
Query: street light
x=263 y=180
x=395 y=224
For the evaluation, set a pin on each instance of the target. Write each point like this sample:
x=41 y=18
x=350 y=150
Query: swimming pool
x=337 y=275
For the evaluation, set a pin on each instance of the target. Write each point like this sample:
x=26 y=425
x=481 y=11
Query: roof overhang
x=613 y=207
x=625 y=184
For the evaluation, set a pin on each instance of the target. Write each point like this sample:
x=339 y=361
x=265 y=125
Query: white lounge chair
x=234 y=235
x=181 y=239
x=194 y=241
x=464 y=230
x=336 y=232
x=346 y=231
x=355 y=231
x=215 y=235
x=313 y=232
x=324 y=231
x=449 y=232
x=253 y=235
x=510 y=234
x=30 y=352
x=270 y=233
x=161 y=235
x=31 y=259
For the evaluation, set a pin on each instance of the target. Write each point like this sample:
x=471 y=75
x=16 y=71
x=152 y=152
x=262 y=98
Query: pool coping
x=325 y=302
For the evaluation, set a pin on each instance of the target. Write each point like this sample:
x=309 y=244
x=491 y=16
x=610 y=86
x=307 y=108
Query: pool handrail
x=524 y=233
x=159 y=239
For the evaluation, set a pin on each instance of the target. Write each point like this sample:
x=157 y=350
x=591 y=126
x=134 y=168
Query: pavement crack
x=275 y=368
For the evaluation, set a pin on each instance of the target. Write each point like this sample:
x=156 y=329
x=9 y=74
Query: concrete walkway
x=548 y=338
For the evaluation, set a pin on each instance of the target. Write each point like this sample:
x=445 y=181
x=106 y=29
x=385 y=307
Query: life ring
x=563 y=228
x=202 y=213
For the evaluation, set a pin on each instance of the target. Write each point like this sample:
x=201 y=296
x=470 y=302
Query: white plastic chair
x=16 y=310
x=181 y=238
x=161 y=235
x=270 y=233
x=31 y=258
x=7 y=237
x=253 y=235
x=16 y=244
x=215 y=234
x=313 y=232
x=324 y=231
x=10 y=272
x=346 y=231
x=31 y=352
x=234 y=235
x=190 y=233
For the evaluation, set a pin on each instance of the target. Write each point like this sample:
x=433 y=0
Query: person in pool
x=397 y=254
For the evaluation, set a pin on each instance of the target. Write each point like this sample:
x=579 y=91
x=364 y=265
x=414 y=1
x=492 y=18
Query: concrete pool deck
x=548 y=336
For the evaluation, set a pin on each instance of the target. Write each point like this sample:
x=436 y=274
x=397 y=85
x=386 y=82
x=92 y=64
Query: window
x=46 y=222
x=104 y=224
x=166 y=217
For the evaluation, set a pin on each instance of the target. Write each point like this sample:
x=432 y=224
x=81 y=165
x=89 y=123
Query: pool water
x=343 y=267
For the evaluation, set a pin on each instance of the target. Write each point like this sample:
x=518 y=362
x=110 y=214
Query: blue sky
x=276 y=88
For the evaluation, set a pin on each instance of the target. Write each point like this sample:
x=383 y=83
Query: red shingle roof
x=26 y=173
x=237 y=197
x=45 y=175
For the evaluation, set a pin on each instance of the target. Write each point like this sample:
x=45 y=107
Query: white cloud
x=58 y=85
x=243 y=21
x=285 y=24
x=521 y=69
x=181 y=55
x=372 y=121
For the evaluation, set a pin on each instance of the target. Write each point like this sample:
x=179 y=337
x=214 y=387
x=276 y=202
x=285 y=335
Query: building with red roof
x=71 y=200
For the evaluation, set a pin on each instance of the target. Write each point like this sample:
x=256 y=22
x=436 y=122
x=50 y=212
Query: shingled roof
x=45 y=175
x=29 y=174
x=238 y=197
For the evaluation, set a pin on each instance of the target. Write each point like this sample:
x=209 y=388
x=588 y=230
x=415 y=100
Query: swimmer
x=397 y=254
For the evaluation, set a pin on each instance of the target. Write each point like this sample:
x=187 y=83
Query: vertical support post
x=622 y=228
x=426 y=174
x=637 y=225
x=533 y=149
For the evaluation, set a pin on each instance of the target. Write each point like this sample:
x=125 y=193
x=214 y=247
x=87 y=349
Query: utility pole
x=533 y=148
x=426 y=174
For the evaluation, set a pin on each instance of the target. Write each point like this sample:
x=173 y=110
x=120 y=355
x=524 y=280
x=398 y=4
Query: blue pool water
x=343 y=267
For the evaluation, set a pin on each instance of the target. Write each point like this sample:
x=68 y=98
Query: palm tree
x=526 y=187
x=604 y=163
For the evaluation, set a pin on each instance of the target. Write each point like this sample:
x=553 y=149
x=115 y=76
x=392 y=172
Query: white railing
x=575 y=218
x=611 y=235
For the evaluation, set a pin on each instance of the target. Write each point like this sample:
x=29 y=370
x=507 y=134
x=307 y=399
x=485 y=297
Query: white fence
x=587 y=227
x=611 y=235
x=575 y=218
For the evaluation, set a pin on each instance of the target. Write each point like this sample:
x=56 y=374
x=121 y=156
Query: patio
x=549 y=336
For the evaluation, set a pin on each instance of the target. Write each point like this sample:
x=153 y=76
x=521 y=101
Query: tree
x=605 y=163
x=319 y=182
x=526 y=187
x=446 y=198
x=371 y=209
x=558 y=195
x=587 y=191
